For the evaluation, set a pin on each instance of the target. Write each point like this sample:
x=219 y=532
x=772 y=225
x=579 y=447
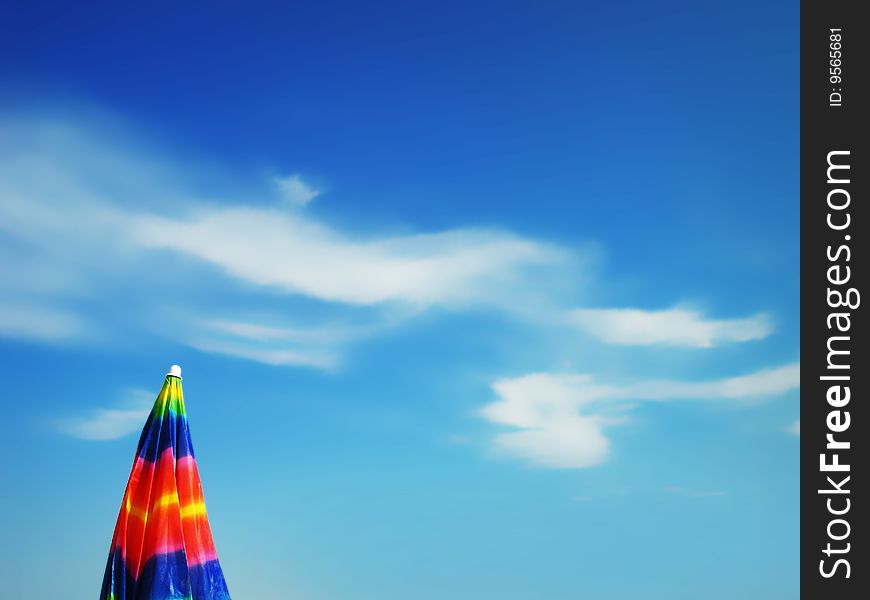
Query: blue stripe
x=207 y=582
x=164 y=577
x=169 y=430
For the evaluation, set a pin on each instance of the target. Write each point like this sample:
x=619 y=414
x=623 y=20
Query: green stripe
x=170 y=398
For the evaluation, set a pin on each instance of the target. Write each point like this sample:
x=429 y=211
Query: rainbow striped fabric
x=162 y=548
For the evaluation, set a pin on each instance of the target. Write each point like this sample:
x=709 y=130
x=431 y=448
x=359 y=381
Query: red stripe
x=197 y=532
x=138 y=538
x=164 y=531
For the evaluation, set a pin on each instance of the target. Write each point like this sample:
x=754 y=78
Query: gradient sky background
x=473 y=300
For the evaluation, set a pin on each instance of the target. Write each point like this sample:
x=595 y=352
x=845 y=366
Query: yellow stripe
x=137 y=512
x=165 y=500
x=193 y=510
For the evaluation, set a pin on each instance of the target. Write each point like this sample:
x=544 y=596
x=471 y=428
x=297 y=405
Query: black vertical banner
x=835 y=377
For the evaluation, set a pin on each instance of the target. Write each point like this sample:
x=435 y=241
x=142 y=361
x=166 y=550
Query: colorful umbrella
x=162 y=548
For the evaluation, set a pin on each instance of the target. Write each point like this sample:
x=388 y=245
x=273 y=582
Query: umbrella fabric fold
x=162 y=548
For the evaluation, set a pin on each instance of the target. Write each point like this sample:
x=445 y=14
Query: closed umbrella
x=162 y=548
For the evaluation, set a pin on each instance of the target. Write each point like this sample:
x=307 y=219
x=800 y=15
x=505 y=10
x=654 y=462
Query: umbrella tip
x=174 y=371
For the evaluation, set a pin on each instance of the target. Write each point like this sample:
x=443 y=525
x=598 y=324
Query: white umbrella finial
x=174 y=371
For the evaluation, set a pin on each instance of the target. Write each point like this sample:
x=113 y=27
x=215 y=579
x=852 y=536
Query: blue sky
x=473 y=300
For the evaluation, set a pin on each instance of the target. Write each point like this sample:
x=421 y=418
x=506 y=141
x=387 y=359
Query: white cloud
x=795 y=428
x=98 y=226
x=41 y=323
x=271 y=340
x=106 y=239
x=110 y=423
x=675 y=326
x=296 y=191
x=573 y=443
x=270 y=356
x=562 y=418
x=761 y=384
x=257 y=331
x=298 y=255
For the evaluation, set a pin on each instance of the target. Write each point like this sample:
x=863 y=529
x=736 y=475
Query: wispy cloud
x=279 y=356
x=42 y=324
x=296 y=191
x=110 y=423
x=795 y=428
x=95 y=223
x=297 y=255
x=560 y=420
x=674 y=327
x=270 y=339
